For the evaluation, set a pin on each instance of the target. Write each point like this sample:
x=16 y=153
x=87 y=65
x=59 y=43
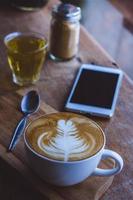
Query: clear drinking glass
x=26 y=54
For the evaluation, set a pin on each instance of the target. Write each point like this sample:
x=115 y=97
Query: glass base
x=57 y=59
x=29 y=5
x=22 y=82
x=25 y=8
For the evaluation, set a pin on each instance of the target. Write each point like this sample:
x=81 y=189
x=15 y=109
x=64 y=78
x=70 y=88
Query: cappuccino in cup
x=65 y=148
x=65 y=137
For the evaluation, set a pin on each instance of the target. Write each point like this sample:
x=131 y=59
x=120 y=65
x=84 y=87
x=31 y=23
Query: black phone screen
x=95 y=88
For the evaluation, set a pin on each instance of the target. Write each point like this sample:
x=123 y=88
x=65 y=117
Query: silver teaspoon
x=29 y=104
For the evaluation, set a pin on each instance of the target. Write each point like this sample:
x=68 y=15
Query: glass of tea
x=26 y=54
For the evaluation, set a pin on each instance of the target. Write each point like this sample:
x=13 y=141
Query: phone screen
x=95 y=88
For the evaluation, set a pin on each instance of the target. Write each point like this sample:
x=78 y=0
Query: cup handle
x=109 y=172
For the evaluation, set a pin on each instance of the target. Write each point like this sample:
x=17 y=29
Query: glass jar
x=64 y=32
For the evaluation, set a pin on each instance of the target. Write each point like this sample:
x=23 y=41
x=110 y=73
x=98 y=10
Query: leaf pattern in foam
x=66 y=142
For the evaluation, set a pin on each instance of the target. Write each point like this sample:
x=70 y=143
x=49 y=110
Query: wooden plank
x=95 y=186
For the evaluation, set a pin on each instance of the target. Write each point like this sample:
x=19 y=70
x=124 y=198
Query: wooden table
x=54 y=86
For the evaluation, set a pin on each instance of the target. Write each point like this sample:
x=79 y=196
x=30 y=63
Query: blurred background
x=111 y=24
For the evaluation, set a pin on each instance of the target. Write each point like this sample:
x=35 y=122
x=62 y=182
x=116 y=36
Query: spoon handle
x=17 y=133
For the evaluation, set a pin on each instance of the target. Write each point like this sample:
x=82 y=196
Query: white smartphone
x=95 y=90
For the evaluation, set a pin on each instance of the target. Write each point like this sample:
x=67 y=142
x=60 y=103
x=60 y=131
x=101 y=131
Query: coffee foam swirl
x=66 y=143
x=65 y=137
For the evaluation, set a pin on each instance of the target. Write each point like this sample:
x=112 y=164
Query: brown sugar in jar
x=64 y=32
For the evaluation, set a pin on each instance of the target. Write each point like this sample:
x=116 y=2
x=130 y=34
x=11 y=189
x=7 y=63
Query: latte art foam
x=65 y=136
x=66 y=143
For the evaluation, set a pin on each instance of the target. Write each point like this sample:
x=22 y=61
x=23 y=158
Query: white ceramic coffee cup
x=72 y=172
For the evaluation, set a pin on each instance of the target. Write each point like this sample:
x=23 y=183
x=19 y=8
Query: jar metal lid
x=67 y=12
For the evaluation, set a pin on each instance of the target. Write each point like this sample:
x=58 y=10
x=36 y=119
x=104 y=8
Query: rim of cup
x=60 y=161
x=16 y=34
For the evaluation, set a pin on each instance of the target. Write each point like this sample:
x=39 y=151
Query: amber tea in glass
x=26 y=54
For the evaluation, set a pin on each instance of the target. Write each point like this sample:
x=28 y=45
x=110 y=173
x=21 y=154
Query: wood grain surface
x=92 y=188
x=54 y=86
